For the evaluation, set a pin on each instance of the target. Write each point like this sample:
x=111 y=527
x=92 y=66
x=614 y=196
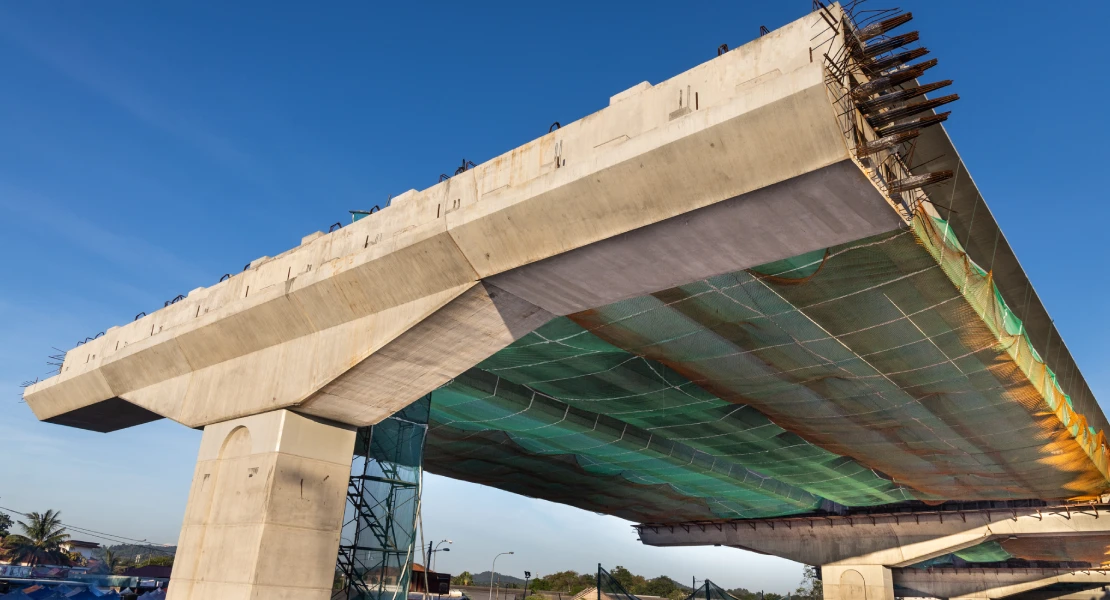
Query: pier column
x=857 y=582
x=265 y=510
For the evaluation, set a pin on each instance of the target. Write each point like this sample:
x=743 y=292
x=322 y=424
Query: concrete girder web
x=990 y=582
x=1065 y=592
x=887 y=540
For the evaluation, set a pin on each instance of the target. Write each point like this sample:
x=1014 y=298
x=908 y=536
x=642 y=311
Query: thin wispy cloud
x=70 y=229
x=69 y=57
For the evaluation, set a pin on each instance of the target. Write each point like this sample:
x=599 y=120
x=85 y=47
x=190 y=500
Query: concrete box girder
x=989 y=583
x=737 y=162
x=1068 y=592
x=889 y=541
x=289 y=330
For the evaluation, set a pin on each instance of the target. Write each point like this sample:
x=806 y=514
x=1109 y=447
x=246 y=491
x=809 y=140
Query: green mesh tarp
x=870 y=373
x=987 y=552
x=1030 y=551
x=378 y=537
x=608 y=588
x=710 y=591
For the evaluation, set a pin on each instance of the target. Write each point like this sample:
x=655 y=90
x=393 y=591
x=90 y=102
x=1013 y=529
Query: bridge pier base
x=857 y=582
x=265 y=509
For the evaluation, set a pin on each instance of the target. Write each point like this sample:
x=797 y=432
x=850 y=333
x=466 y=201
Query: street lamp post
x=436 y=549
x=527 y=576
x=492 y=570
x=434 y=557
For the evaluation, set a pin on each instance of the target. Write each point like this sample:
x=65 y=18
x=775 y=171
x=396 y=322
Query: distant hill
x=678 y=584
x=483 y=578
x=132 y=552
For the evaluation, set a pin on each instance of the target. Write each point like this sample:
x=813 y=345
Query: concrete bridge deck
x=699 y=304
x=497 y=250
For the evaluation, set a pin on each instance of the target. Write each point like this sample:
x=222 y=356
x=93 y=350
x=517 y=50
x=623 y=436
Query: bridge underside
x=1029 y=552
x=718 y=320
x=766 y=392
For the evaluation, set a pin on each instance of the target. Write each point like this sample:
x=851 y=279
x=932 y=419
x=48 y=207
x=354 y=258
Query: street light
x=434 y=558
x=436 y=549
x=527 y=576
x=492 y=570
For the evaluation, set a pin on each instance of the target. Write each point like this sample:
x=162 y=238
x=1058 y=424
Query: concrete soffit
x=889 y=540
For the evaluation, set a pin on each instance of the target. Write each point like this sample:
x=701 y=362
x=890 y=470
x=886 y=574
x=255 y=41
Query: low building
x=85 y=549
x=437 y=583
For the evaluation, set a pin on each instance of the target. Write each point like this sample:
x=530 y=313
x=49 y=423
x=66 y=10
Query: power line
x=99 y=534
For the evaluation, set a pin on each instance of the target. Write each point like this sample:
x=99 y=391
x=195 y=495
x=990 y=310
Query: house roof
x=151 y=571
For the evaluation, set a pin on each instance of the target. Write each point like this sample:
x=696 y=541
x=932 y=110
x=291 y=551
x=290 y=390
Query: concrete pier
x=265 y=510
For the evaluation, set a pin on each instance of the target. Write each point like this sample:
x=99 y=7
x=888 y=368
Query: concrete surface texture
x=265 y=509
x=885 y=540
x=1065 y=592
x=465 y=259
x=990 y=582
x=876 y=582
x=857 y=582
x=735 y=163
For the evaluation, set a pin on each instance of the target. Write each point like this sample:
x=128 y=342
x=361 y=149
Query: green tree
x=564 y=581
x=744 y=594
x=111 y=562
x=662 y=586
x=41 y=541
x=627 y=579
x=5 y=525
x=464 y=578
x=158 y=560
x=810 y=587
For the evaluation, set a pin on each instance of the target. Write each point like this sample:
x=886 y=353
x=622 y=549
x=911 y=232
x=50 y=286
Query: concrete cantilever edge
x=736 y=162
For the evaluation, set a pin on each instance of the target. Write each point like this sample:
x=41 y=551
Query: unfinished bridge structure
x=761 y=304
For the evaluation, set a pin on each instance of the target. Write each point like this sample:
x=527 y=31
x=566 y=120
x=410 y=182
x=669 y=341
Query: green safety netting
x=987 y=552
x=1086 y=551
x=378 y=536
x=710 y=591
x=608 y=588
x=884 y=370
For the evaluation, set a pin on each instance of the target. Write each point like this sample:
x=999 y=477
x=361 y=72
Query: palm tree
x=111 y=561
x=41 y=541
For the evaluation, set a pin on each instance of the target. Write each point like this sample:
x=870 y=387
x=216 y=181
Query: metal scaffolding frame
x=379 y=521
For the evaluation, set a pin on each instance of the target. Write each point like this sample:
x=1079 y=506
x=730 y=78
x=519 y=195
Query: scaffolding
x=608 y=588
x=710 y=591
x=383 y=496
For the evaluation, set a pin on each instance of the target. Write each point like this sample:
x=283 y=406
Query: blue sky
x=148 y=148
